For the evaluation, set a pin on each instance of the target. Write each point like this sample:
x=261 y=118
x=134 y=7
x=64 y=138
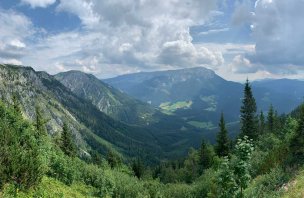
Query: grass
x=51 y=188
x=295 y=188
x=211 y=100
x=201 y=125
x=170 y=108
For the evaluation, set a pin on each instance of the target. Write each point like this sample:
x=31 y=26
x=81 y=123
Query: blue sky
x=236 y=38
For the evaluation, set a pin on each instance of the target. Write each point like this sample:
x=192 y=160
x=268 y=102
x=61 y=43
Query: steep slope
x=198 y=95
x=92 y=128
x=107 y=99
x=172 y=133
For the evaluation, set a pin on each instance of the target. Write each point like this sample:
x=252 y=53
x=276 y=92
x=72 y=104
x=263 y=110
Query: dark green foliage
x=270 y=119
x=113 y=159
x=21 y=161
x=206 y=156
x=96 y=158
x=62 y=168
x=248 y=113
x=261 y=123
x=191 y=166
x=222 y=141
x=297 y=142
x=67 y=143
x=16 y=104
x=138 y=168
x=40 y=122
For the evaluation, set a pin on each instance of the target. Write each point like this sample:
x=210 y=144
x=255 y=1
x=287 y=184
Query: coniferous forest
x=264 y=160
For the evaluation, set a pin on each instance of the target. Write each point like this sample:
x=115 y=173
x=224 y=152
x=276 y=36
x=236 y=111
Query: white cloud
x=16 y=28
x=278 y=31
x=10 y=61
x=38 y=3
x=242 y=65
x=128 y=34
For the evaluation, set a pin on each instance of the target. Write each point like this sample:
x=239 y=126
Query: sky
x=238 y=39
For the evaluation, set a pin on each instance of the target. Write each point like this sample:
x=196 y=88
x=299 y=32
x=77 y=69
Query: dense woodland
x=260 y=162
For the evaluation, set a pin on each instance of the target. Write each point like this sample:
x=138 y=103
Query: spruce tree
x=248 y=113
x=270 y=119
x=67 y=144
x=223 y=143
x=16 y=104
x=40 y=123
x=206 y=155
x=261 y=123
x=297 y=142
x=138 y=168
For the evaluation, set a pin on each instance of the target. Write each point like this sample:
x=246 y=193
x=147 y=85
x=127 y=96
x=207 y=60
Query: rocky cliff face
x=106 y=98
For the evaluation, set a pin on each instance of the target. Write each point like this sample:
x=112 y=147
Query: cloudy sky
x=236 y=38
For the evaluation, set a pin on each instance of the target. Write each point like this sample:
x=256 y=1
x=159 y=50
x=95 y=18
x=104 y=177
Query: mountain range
x=157 y=115
x=199 y=95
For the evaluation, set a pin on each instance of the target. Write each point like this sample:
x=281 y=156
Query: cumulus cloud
x=183 y=53
x=38 y=3
x=129 y=34
x=278 y=31
x=16 y=28
x=242 y=65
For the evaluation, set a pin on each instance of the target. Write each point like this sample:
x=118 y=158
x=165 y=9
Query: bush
x=21 y=161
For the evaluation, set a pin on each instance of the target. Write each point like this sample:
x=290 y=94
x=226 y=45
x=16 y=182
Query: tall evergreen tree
x=297 y=143
x=40 y=123
x=223 y=143
x=261 y=123
x=248 y=113
x=270 y=119
x=67 y=144
x=206 y=155
x=16 y=104
x=138 y=168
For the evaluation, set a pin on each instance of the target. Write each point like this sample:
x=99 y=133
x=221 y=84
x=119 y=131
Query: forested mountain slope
x=107 y=99
x=198 y=95
x=92 y=128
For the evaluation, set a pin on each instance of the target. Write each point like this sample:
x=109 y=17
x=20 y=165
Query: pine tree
x=206 y=155
x=270 y=119
x=67 y=144
x=113 y=159
x=138 y=168
x=40 y=123
x=223 y=142
x=261 y=123
x=16 y=104
x=297 y=142
x=248 y=113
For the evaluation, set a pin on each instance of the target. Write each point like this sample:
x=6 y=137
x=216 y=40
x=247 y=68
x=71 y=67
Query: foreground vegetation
x=265 y=161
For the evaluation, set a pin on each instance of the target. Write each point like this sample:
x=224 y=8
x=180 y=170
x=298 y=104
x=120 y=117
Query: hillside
x=107 y=99
x=92 y=128
x=198 y=95
x=173 y=134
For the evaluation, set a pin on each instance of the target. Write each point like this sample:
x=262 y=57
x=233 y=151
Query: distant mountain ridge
x=199 y=95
